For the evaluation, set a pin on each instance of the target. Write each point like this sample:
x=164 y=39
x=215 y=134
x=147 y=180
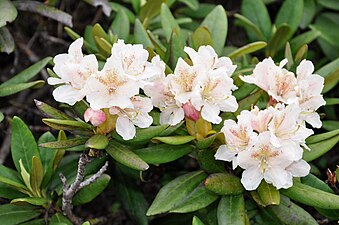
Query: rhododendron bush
x=230 y=133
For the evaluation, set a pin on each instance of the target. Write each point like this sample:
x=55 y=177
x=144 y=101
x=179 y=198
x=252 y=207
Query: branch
x=70 y=190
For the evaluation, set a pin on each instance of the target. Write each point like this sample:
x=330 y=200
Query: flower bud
x=190 y=111
x=96 y=117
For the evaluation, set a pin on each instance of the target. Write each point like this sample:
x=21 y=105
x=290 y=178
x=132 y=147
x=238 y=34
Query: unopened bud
x=190 y=111
x=96 y=117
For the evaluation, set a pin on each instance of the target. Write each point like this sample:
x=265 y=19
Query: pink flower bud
x=96 y=117
x=190 y=111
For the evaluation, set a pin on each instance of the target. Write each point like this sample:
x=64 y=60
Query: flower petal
x=125 y=128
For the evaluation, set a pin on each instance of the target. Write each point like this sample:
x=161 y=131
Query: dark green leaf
x=207 y=142
x=168 y=22
x=201 y=36
x=278 y=40
x=91 y=191
x=256 y=12
x=197 y=221
x=309 y=13
x=11 y=177
x=199 y=198
x=216 y=23
x=141 y=36
x=120 y=25
x=28 y=73
x=150 y=10
x=328 y=68
x=333 y=5
x=162 y=153
x=247 y=102
x=15 y=88
x=224 y=184
x=193 y=4
x=63 y=144
x=59 y=219
x=331 y=81
x=312 y=196
x=175 y=140
x=97 y=141
x=289 y=213
x=252 y=29
x=51 y=112
x=247 y=49
x=31 y=200
x=67 y=124
x=23 y=145
x=207 y=161
x=6 y=41
x=125 y=156
x=8 y=12
x=268 y=194
x=8 y=192
x=11 y=214
x=330 y=125
x=44 y=10
x=231 y=210
x=37 y=174
x=291 y=13
x=304 y=38
x=321 y=137
x=174 y=192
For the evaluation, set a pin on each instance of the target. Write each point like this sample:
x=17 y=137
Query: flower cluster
x=268 y=143
x=203 y=86
x=116 y=87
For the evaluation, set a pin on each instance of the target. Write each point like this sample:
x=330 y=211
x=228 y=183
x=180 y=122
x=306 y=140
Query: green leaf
x=163 y=153
x=201 y=36
x=176 y=49
x=11 y=214
x=247 y=49
x=332 y=101
x=289 y=213
x=330 y=125
x=291 y=13
x=25 y=176
x=333 y=5
x=67 y=124
x=8 y=192
x=278 y=40
x=224 y=184
x=247 y=102
x=23 y=145
x=64 y=144
x=47 y=157
x=175 y=140
x=11 y=177
x=141 y=36
x=168 y=22
x=197 y=221
x=328 y=68
x=15 y=88
x=268 y=194
x=174 y=192
x=2 y=117
x=45 y=10
x=37 y=174
x=251 y=28
x=216 y=23
x=256 y=12
x=97 y=141
x=203 y=10
x=309 y=13
x=150 y=10
x=28 y=73
x=31 y=200
x=207 y=161
x=6 y=41
x=321 y=137
x=142 y=136
x=231 y=210
x=125 y=156
x=193 y=4
x=320 y=148
x=120 y=25
x=331 y=81
x=8 y=12
x=116 y=7
x=103 y=45
x=59 y=219
x=304 y=38
x=91 y=191
x=51 y=112
x=199 y=198
x=312 y=196
x=132 y=199
x=207 y=142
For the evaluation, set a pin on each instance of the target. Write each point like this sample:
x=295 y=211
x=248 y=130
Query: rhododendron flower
x=265 y=161
x=258 y=119
x=310 y=88
x=73 y=69
x=96 y=117
x=239 y=137
x=164 y=99
x=278 y=82
x=128 y=118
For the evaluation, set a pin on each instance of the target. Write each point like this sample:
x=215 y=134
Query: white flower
x=185 y=82
x=216 y=86
x=208 y=58
x=131 y=61
x=284 y=127
x=310 y=88
x=239 y=137
x=265 y=161
x=163 y=98
x=110 y=87
x=258 y=119
x=73 y=69
x=128 y=117
x=278 y=82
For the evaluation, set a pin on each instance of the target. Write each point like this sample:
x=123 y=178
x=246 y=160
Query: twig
x=70 y=190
